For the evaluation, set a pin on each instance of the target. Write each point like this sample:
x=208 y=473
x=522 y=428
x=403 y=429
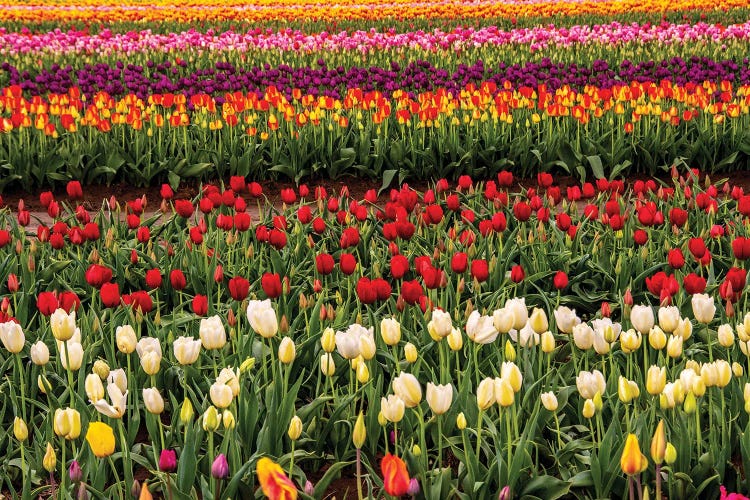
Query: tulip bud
x=360 y=431
x=287 y=351
x=363 y=373
x=135 y=489
x=94 y=387
x=50 y=459
x=670 y=454
x=220 y=467
x=186 y=412
x=101 y=369
x=20 y=430
x=153 y=401
x=367 y=347
x=737 y=369
x=74 y=472
x=659 y=443
x=461 y=421
x=211 y=419
x=548 y=342
x=295 y=428
x=410 y=352
x=657 y=339
x=598 y=403
x=327 y=365
x=39 y=353
x=416 y=450
x=588 y=408
x=390 y=330
x=725 y=336
x=510 y=351
x=690 y=404
x=328 y=340
x=549 y=401
x=227 y=419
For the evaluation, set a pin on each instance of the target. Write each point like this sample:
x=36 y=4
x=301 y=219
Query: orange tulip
x=395 y=476
x=632 y=461
x=274 y=483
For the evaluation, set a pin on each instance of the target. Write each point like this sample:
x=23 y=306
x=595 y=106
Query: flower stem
x=359 y=475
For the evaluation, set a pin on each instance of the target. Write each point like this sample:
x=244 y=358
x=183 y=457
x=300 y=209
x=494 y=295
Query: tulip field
x=427 y=249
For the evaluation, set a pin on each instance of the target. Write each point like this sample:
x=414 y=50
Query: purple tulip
x=220 y=467
x=168 y=461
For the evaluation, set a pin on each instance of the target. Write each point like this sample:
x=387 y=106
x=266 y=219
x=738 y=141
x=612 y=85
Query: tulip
x=221 y=394
x=168 y=461
x=360 y=431
x=212 y=333
x=589 y=408
x=659 y=443
x=630 y=341
x=486 y=393
x=406 y=386
x=153 y=401
x=455 y=340
x=510 y=371
x=670 y=455
x=186 y=350
x=227 y=419
x=642 y=318
x=724 y=373
x=49 y=461
x=73 y=358
x=101 y=369
x=220 y=467
x=504 y=394
x=186 y=412
x=657 y=339
x=392 y=408
x=327 y=365
x=294 y=431
x=502 y=320
x=125 y=339
x=367 y=347
x=348 y=342
x=669 y=318
x=674 y=346
x=395 y=476
x=538 y=320
x=262 y=318
x=589 y=383
x=481 y=329
x=566 y=319
x=548 y=342
x=390 y=331
x=410 y=352
x=632 y=460
x=12 y=337
x=517 y=307
x=583 y=336
x=63 y=324
x=704 y=308
x=627 y=390
x=94 y=387
x=101 y=439
x=656 y=379
x=151 y=362
x=274 y=483
x=39 y=353
x=549 y=401
x=74 y=472
x=287 y=351
x=328 y=340
x=440 y=326
x=725 y=336
x=439 y=397
x=20 y=430
x=509 y=351
x=363 y=373
x=211 y=419
x=461 y=421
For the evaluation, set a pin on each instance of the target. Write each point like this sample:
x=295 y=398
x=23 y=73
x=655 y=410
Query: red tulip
x=347 y=263
x=57 y=241
x=4 y=237
x=453 y=203
x=13 y=284
x=522 y=211
x=505 y=179
x=395 y=476
x=277 y=239
x=678 y=217
x=177 y=279
x=239 y=288
x=110 y=294
x=697 y=247
x=166 y=192
x=324 y=263
x=46 y=198
x=184 y=208
x=741 y=248
x=200 y=305
x=143 y=234
x=661 y=283
x=271 y=284
x=74 y=190
x=319 y=225
x=242 y=221
x=256 y=190
x=640 y=237
x=517 y=274
x=68 y=301
x=399 y=266
x=459 y=262
x=153 y=278
x=288 y=196
x=91 y=231
x=304 y=214
x=139 y=300
x=675 y=258
x=560 y=281
x=349 y=238
x=366 y=293
x=432 y=277
x=47 y=303
x=97 y=275
x=480 y=270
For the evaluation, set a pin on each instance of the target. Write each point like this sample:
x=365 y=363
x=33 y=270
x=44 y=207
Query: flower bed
x=472 y=338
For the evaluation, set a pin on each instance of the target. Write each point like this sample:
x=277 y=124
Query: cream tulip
x=125 y=339
x=287 y=351
x=406 y=386
x=510 y=372
x=502 y=320
x=67 y=423
x=153 y=401
x=704 y=308
x=630 y=341
x=439 y=397
x=186 y=350
x=504 y=394
x=12 y=337
x=549 y=401
x=566 y=319
x=390 y=331
x=367 y=347
x=348 y=342
x=73 y=352
x=486 y=393
x=726 y=336
x=589 y=383
x=117 y=395
x=684 y=329
x=327 y=365
x=63 y=325
x=455 y=340
x=517 y=306
x=481 y=329
x=410 y=352
x=94 y=387
x=538 y=320
x=583 y=336
x=669 y=318
x=674 y=346
x=440 y=324
x=230 y=377
x=642 y=318
x=328 y=340
x=262 y=318
x=392 y=408
x=221 y=395
x=657 y=339
x=39 y=353
x=151 y=362
x=212 y=333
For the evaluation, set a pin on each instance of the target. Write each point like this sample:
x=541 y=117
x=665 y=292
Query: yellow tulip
x=101 y=439
x=287 y=351
x=20 y=430
x=50 y=459
x=360 y=431
x=632 y=460
x=659 y=443
x=295 y=428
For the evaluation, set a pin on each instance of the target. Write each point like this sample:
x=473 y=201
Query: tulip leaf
x=331 y=473
x=188 y=463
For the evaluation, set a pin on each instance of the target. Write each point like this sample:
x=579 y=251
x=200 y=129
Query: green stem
x=359 y=475
x=117 y=477
x=22 y=383
x=479 y=433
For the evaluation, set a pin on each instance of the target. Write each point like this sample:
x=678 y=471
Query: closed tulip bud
x=510 y=371
x=151 y=362
x=689 y=406
x=410 y=352
x=94 y=387
x=101 y=369
x=75 y=473
x=42 y=383
x=212 y=333
x=287 y=351
x=39 y=353
x=659 y=443
x=548 y=342
x=67 y=423
x=416 y=450
x=327 y=365
x=12 y=336
x=295 y=428
x=247 y=365
x=632 y=461
x=328 y=340
x=588 y=408
x=669 y=318
x=742 y=332
x=359 y=434
x=704 y=308
x=724 y=372
x=746 y=395
x=227 y=419
x=153 y=401
x=486 y=393
x=656 y=379
x=186 y=412
x=20 y=430
x=684 y=329
x=670 y=454
x=382 y=421
x=439 y=397
x=455 y=340
x=367 y=347
x=50 y=459
x=461 y=421
x=390 y=330
x=510 y=351
x=504 y=394
x=538 y=320
x=737 y=369
x=125 y=339
x=392 y=408
x=726 y=336
x=211 y=419
x=549 y=401
x=674 y=346
x=626 y=390
x=363 y=373
x=642 y=318
x=406 y=386
x=598 y=402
